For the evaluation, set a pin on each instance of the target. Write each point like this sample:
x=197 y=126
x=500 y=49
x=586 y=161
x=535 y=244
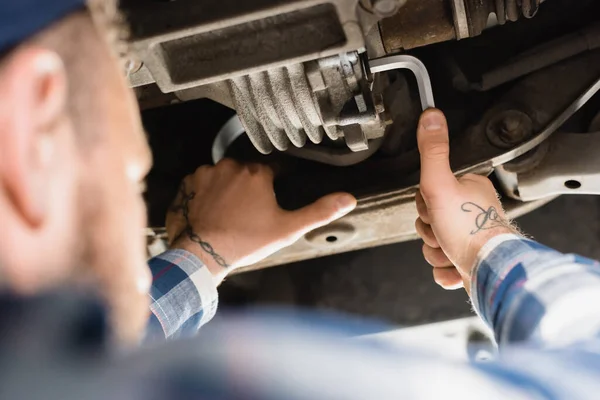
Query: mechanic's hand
x=456 y=217
x=233 y=219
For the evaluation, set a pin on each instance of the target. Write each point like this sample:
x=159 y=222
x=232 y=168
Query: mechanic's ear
x=33 y=86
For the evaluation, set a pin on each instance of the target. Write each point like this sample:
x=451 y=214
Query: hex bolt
x=509 y=128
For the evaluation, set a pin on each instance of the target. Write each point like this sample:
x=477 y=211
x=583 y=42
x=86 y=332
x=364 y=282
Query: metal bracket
x=570 y=166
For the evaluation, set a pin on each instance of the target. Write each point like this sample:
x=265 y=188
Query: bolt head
x=509 y=128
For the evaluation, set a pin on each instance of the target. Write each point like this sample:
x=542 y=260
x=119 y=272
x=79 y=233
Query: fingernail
x=345 y=203
x=433 y=120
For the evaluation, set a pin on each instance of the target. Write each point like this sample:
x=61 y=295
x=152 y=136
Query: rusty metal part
x=477 y=12
x=419 y=23
x=188 y=44
x=424 y=22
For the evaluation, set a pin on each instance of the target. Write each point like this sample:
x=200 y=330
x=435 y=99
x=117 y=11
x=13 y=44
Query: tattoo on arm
x=189 y=231
x=485 y=219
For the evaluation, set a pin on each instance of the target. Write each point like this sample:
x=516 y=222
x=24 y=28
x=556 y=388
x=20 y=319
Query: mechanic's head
x=72 y=155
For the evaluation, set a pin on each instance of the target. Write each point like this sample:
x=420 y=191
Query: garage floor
x=393 y=283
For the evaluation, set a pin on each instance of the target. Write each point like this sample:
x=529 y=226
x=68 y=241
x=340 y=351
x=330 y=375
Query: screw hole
x=331 y=239
x=572 y=184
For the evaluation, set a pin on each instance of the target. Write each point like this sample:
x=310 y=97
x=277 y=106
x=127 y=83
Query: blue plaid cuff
x=183 y=295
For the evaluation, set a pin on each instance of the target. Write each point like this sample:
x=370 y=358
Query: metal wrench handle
x=416 y=67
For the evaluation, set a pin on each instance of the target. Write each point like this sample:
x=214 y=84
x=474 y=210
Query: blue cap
x=21 y=19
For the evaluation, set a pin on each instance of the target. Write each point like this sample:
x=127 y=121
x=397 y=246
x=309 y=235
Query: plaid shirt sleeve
x=183 y=296
x=527 y=292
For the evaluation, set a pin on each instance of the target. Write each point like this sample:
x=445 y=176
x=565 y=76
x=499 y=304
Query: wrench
x=416 y=67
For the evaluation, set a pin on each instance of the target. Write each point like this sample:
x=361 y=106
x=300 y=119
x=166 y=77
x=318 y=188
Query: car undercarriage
x=328 y=93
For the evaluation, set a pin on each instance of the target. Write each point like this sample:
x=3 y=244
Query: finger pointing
x=320 y=213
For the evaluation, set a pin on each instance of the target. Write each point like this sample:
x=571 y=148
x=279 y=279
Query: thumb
x=325 y=210
x=434 y=147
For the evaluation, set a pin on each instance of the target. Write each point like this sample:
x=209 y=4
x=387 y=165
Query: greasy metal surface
x=188 y=44
x=416 y=67
x=571 y=166
x=418 y=23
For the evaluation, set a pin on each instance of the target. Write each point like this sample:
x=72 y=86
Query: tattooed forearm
x=189 y=231
x=485 y=219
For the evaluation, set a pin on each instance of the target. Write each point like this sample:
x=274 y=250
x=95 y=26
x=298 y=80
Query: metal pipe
x=541 y=57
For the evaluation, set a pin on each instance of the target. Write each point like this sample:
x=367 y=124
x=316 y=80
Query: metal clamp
x=416 y=67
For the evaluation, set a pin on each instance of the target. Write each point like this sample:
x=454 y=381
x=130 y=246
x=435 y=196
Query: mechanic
x=72 y=156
